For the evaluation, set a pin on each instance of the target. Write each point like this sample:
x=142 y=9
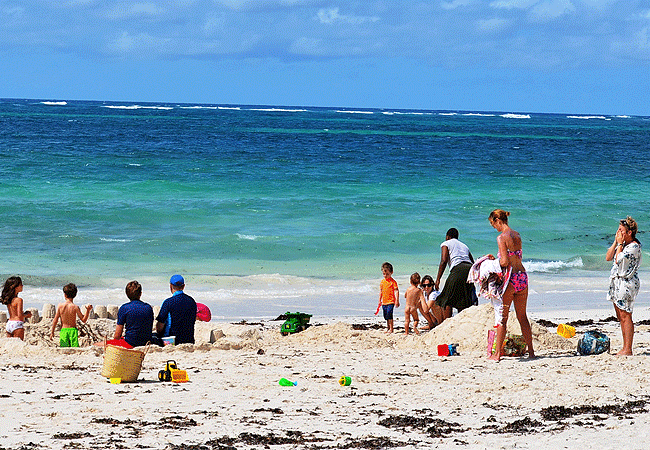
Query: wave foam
x=588 y=117
x=248 y=237
x=347 y=111
x=402 y=113
x=277 y=110
x=115 y=240
x=199 y=107
x=165 y=108
x=552 y=266
x=54 y=103
x=516 y=116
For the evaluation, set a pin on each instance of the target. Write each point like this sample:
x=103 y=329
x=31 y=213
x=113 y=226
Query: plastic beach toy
x=169 y=340
x=345 y=381
x=116 y=380
x=203 y=313
x=447 y=349
x=285 y=382
x=566 y=331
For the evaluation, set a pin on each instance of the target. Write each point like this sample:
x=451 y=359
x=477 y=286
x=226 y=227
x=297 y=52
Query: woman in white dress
x=624 y=283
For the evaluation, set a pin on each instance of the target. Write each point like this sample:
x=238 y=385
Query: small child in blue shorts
x=388 y=295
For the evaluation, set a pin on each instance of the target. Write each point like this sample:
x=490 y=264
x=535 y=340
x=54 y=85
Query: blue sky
x=577 y=56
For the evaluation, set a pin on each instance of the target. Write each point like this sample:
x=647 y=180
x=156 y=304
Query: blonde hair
x=630 y=224
x=499 y=214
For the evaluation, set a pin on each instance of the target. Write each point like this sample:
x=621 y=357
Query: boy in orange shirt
x=388 y=295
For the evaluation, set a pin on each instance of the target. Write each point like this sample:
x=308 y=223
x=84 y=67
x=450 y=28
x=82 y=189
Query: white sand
x=55 y=398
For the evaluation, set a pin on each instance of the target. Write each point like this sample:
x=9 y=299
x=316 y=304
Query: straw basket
x=123 y=363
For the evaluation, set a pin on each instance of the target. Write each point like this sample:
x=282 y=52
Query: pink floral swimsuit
x=518 y=280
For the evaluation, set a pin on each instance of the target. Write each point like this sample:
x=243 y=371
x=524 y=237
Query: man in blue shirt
x=177 y=314
x=136 y=316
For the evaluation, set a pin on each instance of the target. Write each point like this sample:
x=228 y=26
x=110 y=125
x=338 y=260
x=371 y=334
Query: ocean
x=265 y=209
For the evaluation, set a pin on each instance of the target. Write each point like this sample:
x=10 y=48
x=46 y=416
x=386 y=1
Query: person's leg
x=74 y=337
x=424 y=309
x=407 y=320
x=520 y=300
x=627 y=329
x=501 y=329
x=447 y=312
x=436 y=312
x=19 y=333
x=416 y=321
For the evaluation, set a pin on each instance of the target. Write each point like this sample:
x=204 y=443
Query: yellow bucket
x=345 y=381
x=566 y=331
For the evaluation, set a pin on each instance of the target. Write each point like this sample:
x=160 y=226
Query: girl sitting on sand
x=13 y=286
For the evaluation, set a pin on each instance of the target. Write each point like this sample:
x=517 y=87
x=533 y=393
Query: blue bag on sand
x=593 y=343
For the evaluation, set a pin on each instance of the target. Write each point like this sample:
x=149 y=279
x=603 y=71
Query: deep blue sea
x=269 y=209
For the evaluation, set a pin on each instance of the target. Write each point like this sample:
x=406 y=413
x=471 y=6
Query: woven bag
x=123 y=363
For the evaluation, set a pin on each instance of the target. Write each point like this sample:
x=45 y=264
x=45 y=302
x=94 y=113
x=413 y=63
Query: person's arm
x=23 y=314
x=55 y=321
x=615 y=248
x=160 y=325
x=444 y=261
x=84 y=318
x=396 y=296
x=118 y=332
x=503 y=252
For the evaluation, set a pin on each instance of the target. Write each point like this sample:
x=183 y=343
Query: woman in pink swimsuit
x=510 y=254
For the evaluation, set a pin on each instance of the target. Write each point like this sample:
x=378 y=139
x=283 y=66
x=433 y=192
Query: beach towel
x=491 y=281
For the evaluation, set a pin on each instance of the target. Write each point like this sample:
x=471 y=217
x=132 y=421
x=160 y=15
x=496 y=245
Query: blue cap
x=177 y=280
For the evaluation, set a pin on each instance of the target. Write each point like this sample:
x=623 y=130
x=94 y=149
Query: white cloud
x=454 y=4
x=141 y=44
x=15 y=11
x=331 y=15
x=134 y=10
x=643 y=38
x=552 y=9
x=492 y=24
x=212 y=25
x=512 y=4
x=307 y=46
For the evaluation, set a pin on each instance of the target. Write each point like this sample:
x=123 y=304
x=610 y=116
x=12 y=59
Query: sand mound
x=467 y=329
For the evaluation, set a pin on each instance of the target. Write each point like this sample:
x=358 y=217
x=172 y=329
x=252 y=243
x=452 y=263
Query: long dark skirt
x=458 y=293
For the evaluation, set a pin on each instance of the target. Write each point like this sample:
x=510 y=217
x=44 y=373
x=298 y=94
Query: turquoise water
x=265 y=208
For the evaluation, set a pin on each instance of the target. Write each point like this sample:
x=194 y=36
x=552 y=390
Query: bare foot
x=495 y=358
x=417 y=331
x=624 y=353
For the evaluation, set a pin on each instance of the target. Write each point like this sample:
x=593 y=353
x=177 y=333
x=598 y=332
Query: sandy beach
x=402 y=394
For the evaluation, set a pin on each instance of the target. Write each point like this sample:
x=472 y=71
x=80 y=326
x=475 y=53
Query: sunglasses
x=426 y=285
